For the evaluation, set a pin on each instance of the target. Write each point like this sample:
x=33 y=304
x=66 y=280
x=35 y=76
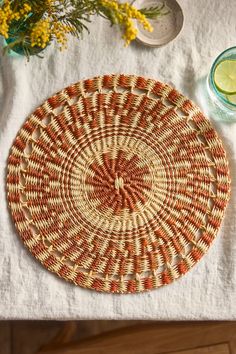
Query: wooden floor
x=26 y=337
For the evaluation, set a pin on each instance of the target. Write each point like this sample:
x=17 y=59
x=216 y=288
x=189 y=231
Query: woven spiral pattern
x=118 y=184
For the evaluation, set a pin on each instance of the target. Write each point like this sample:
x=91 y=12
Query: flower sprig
x=123 y=14
x=8 y=14
x=41 y=21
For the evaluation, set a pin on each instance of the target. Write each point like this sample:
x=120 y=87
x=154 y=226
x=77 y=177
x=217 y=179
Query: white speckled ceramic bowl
x=166 y=27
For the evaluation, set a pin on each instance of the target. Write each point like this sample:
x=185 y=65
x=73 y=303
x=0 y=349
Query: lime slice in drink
x=231 y=99
x=225 y=77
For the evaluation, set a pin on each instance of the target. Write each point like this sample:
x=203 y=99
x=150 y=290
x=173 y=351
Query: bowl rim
x=180 y=10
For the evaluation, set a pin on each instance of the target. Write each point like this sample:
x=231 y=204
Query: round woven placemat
x=118 y=184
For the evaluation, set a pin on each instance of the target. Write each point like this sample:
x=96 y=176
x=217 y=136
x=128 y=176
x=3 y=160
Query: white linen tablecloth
x=208 y=291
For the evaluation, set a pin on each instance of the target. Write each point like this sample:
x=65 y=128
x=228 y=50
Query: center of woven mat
x=118 y=183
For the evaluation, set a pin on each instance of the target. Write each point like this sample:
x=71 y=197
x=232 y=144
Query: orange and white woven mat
x=118 y=184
